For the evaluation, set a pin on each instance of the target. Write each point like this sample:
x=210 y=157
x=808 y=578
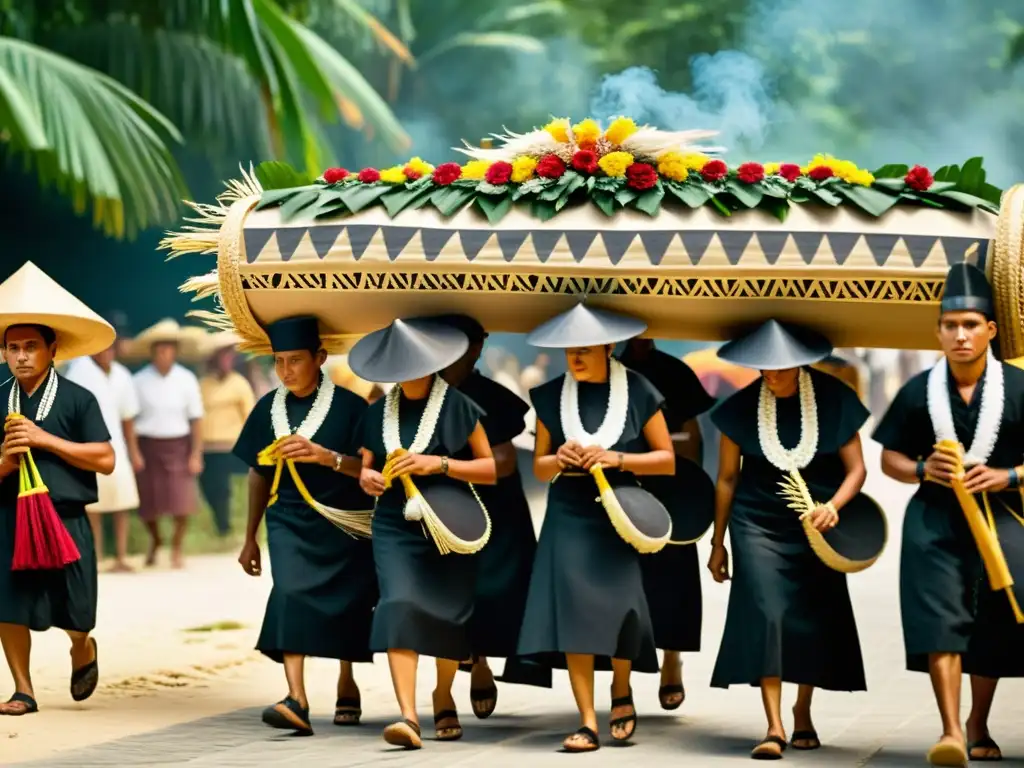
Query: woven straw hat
x=188 y=338
x=30 y=296
x=215 y=342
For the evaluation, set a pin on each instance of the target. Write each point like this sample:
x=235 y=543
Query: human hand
x=371 y=481
x=569 y=455
x=21 y=435
x=250 y=558
x=941 y=465
x=415 y=464
x=597 y=456
x=195 y=464
x=138 y=463
x=980 y=479
x=718 y=563
x=824 y=518
x=300 y=449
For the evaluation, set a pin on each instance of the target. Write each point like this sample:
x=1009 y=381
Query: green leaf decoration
x=273 y=175
x=494 y=208
x=972 y=177
x=544 y=210
x=947 y=173
x=297 y=204
x=897 y=185
x=721 y=207
x=872 y=201
x=649 y=201
x=827 y=196
x=625 y=196
x=891 y=172
x=278 y=196
x=776 y=207
x=448 y=200
x=398 y=200
x=360 y=196
x=748 y=195
x=604 y=201
x=690 y=195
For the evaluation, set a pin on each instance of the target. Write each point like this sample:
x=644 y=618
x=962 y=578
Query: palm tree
x=94 y=94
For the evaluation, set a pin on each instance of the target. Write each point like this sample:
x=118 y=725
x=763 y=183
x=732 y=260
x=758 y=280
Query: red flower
x=585 y=161
x=919 y=178
x=411 y=173
x=714 y=170
x=641 y=176
x=820 y=173
x=334 y=175
x=369 y=175
x=550 y=167
x=790 y=171
x=498 y=173
x=446 y=173
x=750 y=173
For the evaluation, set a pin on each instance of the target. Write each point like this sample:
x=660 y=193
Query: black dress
x=426 y=598
x=505 y=564
x=789 y=614
x=64 y=598
x=943 y=587
x=672 y=576
x=324 y=590
x=586 y=592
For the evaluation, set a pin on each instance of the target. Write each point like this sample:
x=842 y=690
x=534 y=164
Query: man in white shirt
x=111 y=384
x=170 y=439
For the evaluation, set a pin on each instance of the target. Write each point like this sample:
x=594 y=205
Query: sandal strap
x=777 y=740
x=624 y=701
x=446 y=714
x=348 y=702
x=668 y=690
x=589 y=735
x=295 y=707
x=24 y=698
x=414 y=726
x=985 y=742
x=811 y=735
x=483 y=694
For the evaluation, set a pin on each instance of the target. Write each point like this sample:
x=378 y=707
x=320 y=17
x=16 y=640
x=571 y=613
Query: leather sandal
x=985 y=742
x=591 y=739
x=808 y=736
x=948 y=752
x=85 y=679
x=29 y=705
x=671 y=690
x=447 y=732
x=288 y=715
x=478 y=697
x=761 y=752
x=625 y=701
x=405 y=734
x=348 y=711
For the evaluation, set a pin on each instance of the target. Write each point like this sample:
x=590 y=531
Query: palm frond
x=349 y=16
x=506 y=41
x=91 y=137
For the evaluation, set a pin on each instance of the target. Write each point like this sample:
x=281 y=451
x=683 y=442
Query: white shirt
x=169 y=404
x=115 y=394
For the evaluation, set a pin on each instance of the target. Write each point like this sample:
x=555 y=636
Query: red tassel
x=41 y=540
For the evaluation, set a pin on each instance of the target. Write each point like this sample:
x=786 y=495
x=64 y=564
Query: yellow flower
x=586 y=133
x=620 y=129
x=475 y=169
x=672 y=165
x=863 y=178
x=559 y=129
x=419 y=166
x=615 y=163
x=695 y=161
x=522 y=169
x=394 y=175
x=770 y=169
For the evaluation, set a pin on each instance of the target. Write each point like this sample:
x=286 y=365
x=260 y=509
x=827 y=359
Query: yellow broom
x=984 y=532
x=418 y=508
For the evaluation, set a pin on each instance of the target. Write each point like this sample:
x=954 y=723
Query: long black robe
x=505 y=564
x=789 y=614
x=324 y=591
x=586 y=592
x=945 y=600
x=426 y=598
x=672 y=576
x=64 y=598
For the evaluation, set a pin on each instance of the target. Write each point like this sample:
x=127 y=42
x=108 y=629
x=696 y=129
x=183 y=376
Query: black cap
x=967 y=290
x=775 y=346
x=294 y=333
x=407 y=350
x=584 y=326
x=468 y=325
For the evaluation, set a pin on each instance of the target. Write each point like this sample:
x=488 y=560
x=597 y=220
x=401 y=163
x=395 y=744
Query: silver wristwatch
x=338 y=458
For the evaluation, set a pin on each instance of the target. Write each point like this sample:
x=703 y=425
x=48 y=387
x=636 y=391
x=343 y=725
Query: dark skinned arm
x=505 y=459
x=92 y=457
x=853 y=461
x=725 y=488
x=481 y=469
x=259 y=495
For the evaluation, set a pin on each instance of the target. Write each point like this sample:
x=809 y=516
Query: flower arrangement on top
x=621 y=166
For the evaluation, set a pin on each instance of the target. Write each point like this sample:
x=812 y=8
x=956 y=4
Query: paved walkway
x=211 y=716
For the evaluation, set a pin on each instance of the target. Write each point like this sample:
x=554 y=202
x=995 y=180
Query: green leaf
x=971 y=201
x=625 y=196
x=574 y=183
x=649 y=201
x=972 y=176
x=359 y=196
x=591 y=181
x=691 y=195
x=776 y=207
x=917 y=198
x=449 y=200
x=872 y=201
x=609 y=183
x=494 y=208
x=989 y=192
x=277 y=175
x=947 y=173
x=827 y=196
x=543 y=209
x=747 y=194
x=896 y=185
x=721 y=207
x=605 y=201
x=396 y=201
x=891 y=172
x=774 y=187
x=941 y=186
x=298 y=204
x=275 y=197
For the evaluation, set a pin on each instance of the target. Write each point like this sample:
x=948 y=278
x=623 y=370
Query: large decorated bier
x=639 y=220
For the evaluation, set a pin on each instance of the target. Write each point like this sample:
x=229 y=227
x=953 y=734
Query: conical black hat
x=407 y=350
x=584 y=326
x=967 y=290
x=775 y=346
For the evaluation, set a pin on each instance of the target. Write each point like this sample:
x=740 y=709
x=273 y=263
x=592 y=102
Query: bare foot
x=177 y=561
x=154 y=548
x=120 y=566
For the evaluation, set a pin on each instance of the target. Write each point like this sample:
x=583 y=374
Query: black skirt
x=673 y=589
x=324 y=589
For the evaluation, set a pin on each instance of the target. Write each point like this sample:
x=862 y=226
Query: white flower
x=428 y=421
x=45 y=403
x=614 y=418
x=768 y=433
x=990 y=416
x=314 y=419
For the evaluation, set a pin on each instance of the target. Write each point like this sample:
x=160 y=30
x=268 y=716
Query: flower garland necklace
x=314 y=419
x=990 y=415
x=768 y=433
x=614 y=422
x=45 y=404
x=428 y=421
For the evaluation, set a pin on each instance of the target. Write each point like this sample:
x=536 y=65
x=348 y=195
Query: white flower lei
x=990 y=416
x=614 y=418
x=314 y=419
x=428 y=421
x=45 y=404
x=768 y=432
